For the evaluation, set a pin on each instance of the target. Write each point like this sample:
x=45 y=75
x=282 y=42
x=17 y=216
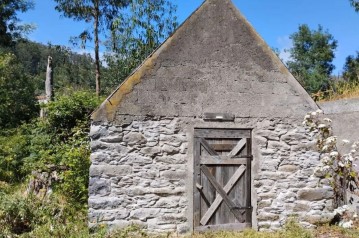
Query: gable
x=215 y=62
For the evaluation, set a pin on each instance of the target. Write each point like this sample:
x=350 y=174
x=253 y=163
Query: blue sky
x=274 y=20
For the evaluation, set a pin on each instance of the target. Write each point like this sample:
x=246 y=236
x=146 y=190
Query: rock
x=301 y=206
x=288 y=168
x=173 y=159
x=167 y=202
x=108 y=215
x=97 y=132
x=169 y=150
x=278 y=145
x=151 y=151
x=183 y=228
x=110 y=170
x=144 y=213
x=266 y=216
x=102 y=203
x=134 y=138
x=264 y=203
x=293 y=136
x=314 y=194
x=99 y=187
x=113 y=139
x=268 y=134
x=137 y=159
x=174 y=175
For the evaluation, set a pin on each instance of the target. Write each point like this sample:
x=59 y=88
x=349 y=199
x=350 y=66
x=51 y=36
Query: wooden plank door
x=222 y=179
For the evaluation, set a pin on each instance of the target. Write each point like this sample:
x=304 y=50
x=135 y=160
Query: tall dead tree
x=49 y=89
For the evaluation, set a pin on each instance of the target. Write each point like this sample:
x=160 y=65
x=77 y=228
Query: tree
x=71 y=70
x=100 y=13
x=136 y=35
x=355 y=4
x=9 y=27
x=351 y=68
x=17 y=97
x=312 y=55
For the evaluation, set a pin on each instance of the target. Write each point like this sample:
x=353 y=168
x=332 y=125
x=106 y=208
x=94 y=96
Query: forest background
x=44 y=162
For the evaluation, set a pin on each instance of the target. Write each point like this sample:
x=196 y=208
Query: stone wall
x=286 y=182
x=138 y=175
x=141 y=173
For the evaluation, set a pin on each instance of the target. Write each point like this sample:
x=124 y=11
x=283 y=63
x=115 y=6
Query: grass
x=291 y=230
x=340 y=90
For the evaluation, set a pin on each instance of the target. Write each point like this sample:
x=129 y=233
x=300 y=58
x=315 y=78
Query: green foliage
x=29 y=216
x=99 y=12
x=351 y=68
x=17 y=214
x=355 y=4
x=71 y=70
x=66 y=111
x=9 y=28
x=18 y=103
x=13 y=149
x=58 y=143
x=135 y=35
x=312 y=55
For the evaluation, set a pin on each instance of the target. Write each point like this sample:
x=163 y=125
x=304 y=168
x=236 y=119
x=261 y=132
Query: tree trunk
x=49 y=82
x=97 y=48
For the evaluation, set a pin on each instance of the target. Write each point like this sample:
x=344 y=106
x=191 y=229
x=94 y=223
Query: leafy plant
x=339 y=169
x=18 y=103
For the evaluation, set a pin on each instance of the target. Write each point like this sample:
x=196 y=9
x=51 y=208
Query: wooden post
x=49 y=80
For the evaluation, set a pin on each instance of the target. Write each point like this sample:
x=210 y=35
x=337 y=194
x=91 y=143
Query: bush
x=17 y=93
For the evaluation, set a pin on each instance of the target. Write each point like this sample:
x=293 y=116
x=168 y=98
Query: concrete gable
x=215 y=62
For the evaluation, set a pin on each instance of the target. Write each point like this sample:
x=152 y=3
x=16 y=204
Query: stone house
x=207 y=134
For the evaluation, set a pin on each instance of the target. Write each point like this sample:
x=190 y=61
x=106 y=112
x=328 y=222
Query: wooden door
x=222 y=179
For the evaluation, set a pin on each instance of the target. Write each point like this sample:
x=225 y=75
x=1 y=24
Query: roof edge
x=107 y=110
x=283 y=68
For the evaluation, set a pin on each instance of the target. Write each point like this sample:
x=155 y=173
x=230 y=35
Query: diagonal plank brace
x=237 y=148
x=223 y=194
x=236 y=176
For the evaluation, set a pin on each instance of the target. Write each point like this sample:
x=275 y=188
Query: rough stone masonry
x=142 y=134
x=140 y=174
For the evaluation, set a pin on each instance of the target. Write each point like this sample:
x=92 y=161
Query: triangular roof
x=215 y=55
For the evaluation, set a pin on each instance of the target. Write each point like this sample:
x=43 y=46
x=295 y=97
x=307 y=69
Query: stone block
x=174 y=159
x=183 y=228
x=266 y=216
x=264 y=203
x=151 y=151
x=268 y=134
x=106 y=202
x=108 y=215
x=99 y=187
x=174 y=175
x=136 y=159
x=144 y=213
x=288 y=168
x=293 y=136
x=278 y=145
x=134 y=138
x=113 y=138
x=314 y=194
x=110 y=170
x=169 y=149
x=98 y=131
x=168 y=202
